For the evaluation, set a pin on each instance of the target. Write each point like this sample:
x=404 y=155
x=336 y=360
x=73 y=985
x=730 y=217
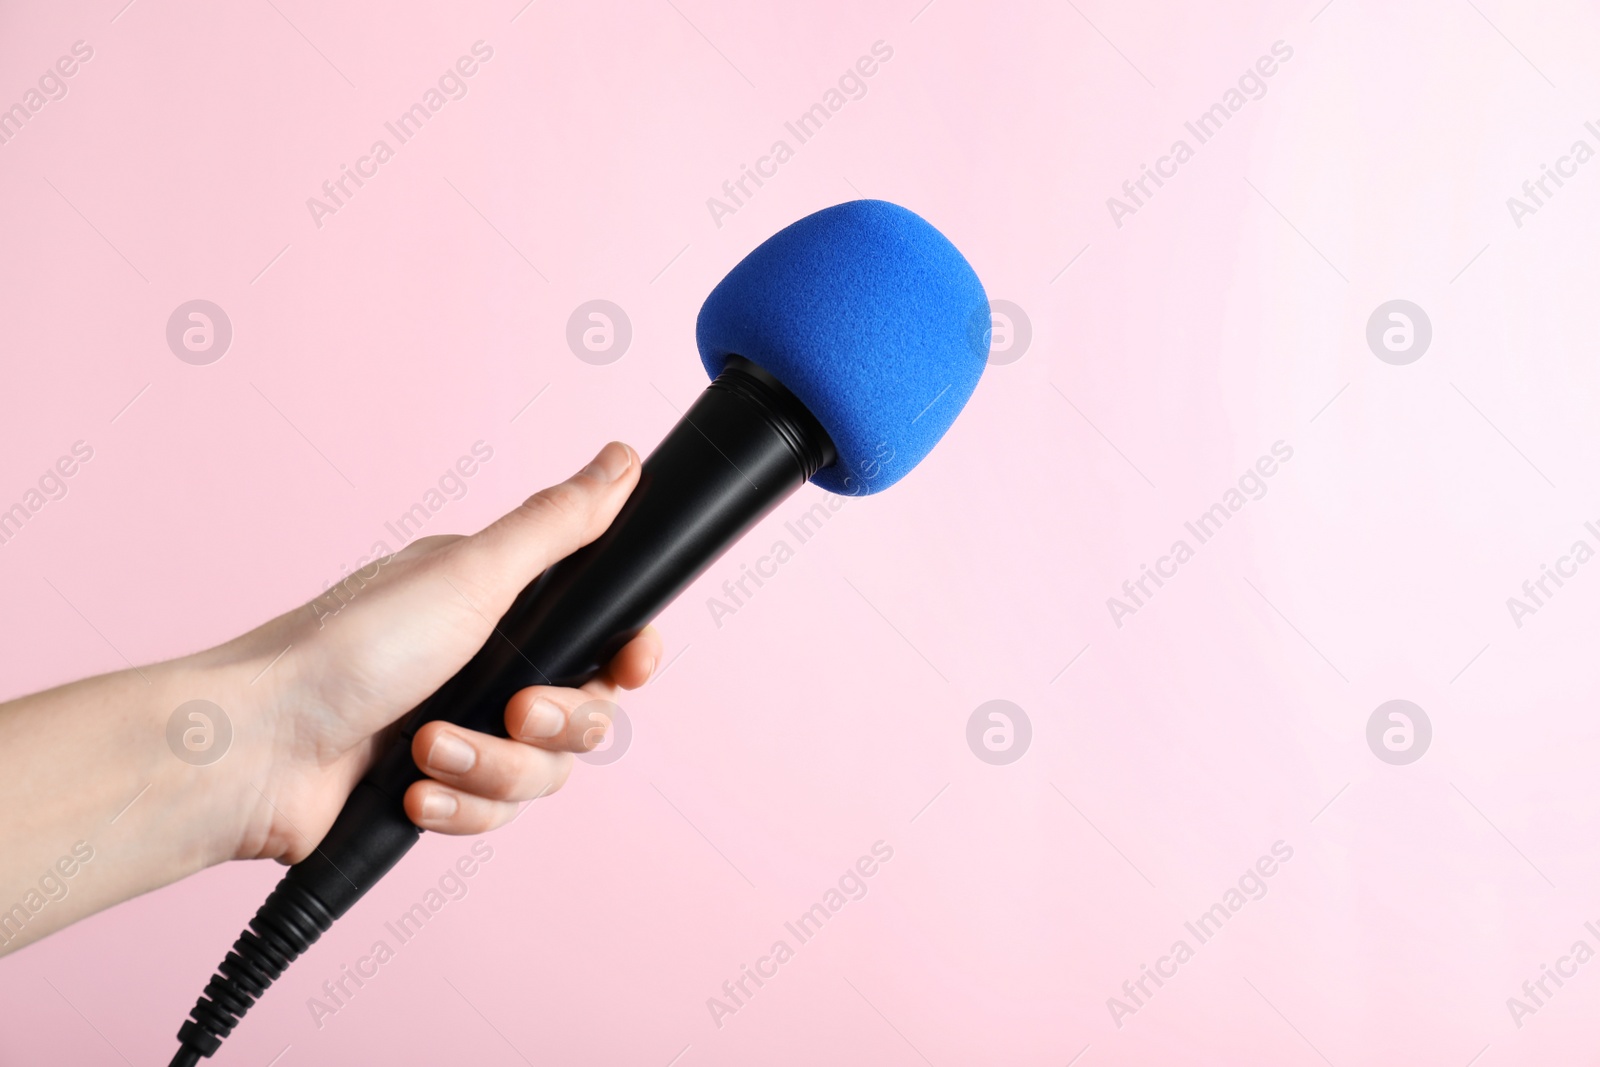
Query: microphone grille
x=868 y=315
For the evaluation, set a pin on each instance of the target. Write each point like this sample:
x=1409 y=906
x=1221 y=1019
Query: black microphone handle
x=744 y=446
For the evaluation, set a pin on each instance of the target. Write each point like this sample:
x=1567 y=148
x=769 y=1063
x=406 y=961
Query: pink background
x=1227 y=314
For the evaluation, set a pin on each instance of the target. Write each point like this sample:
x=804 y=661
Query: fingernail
x=451 y=755
x=650 y=672
x=437 y=804
x=610 y=464
x=544 y=720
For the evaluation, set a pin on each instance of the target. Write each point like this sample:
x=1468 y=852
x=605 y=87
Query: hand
x=375 y=646
x=312 y=697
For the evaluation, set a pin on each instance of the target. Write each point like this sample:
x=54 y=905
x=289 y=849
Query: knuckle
x=483 y=818
x=423 y=546
x=589 y=728
x=564 y=503
x=518 y=710
x=497 y=781
x=558 y=778
x=422 y=741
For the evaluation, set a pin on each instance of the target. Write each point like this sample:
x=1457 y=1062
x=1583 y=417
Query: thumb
x=498 y=561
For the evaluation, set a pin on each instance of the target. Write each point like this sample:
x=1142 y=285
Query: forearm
x=97 y=808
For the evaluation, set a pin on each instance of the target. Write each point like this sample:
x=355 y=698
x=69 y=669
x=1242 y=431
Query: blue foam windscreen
x=869 y=316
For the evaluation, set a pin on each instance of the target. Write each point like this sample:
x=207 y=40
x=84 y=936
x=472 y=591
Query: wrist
x=223 y=729
x=200 y=717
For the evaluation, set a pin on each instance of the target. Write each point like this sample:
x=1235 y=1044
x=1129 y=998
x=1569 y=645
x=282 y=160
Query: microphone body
x=743 y=447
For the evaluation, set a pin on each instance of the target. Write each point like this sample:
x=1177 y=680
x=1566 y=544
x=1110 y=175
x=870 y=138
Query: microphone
x=840 y=351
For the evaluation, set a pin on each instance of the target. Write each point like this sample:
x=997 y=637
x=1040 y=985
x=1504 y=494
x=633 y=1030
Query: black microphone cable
x=285 y=926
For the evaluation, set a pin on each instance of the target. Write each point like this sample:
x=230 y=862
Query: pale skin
x=90 y=762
